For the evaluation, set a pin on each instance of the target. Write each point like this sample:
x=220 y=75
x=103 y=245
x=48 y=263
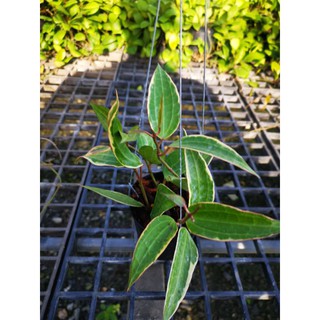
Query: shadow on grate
x=237 y=280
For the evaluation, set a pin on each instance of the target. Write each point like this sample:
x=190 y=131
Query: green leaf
x=60 y=55
x=225 y=223
x=243 y=71
x=102 y=114
x=163 y=104
x=144 y=24
x=132 y=134
x=147 y=148
x=176 y=199
x=102 y=156
x=73 y=49
x=152 y=242
x=161 y=202
x=74 y=10
x=213 y=147
x=91 y=8
x=235 y=43
x=120 y=149
x=200 y=182
x=173 y=160
x=58 y=37
x=183 y=265
x=80 y=36
x=116 y=196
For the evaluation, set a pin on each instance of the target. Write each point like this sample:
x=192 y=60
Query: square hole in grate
x=195 y=284
x=120 y=244
x=56 y=217
x=224 y=180
x=240 y=149
x=217 y=164
x=56 y=107
x=257 y=149
x=92 y=217
x=256 y=198
x=52 y=157
x=124 y=176
x=77 y=106
x=47 y=175
x=71 y=119
x=83 y=90
x=227 y=309
x=108 y=309
x=191 y=309
x=66 y=194
x=66 y=131
x=75 y=160
x=114 y=277
x=87 y=131
x=227 y=126
x=275 y=197
x=79 y=277
x=50 y=118
x=264 y=163
x=248 y=181
x=102 y=175
x=271 y=179
x=251 y=137
x=70 y=175
x=73 y=309
x=86 y=245
x=120 y=218
x=230 y=197
x=253 y=277
x=263 y=309
x=46 y=268
x=84 y=144
x=231 y=138
x=220 y=277
x=61 y=143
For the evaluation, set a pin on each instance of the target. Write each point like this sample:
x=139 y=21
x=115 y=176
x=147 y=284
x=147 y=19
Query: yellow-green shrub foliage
x=242 y=33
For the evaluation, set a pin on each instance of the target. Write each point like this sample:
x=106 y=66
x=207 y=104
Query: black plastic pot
x=142 y=218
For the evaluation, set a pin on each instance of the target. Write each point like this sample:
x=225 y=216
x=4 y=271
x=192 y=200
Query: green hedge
x=243 y=33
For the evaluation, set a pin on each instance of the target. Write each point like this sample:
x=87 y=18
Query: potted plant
x=179 y=202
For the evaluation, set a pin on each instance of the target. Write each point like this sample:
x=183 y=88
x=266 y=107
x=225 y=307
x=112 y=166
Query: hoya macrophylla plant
x=201 y=216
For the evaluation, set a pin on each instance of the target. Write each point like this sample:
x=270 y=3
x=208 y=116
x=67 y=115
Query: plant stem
x=143 y=191
x=151 y=173
x=189 y=215
x=159 y=153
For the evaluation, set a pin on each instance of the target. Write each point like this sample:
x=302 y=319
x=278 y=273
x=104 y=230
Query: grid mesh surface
x=232 y=280
x=68 y=129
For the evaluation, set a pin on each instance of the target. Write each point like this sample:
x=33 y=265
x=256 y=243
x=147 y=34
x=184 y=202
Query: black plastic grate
x=69 y=125
x=232 y=280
